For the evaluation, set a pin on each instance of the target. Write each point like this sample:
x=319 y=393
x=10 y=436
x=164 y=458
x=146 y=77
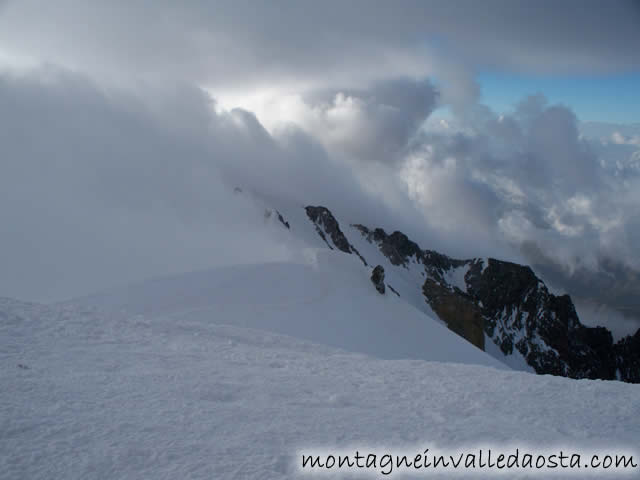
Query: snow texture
x=157 y=386
x=329 y=301
x=455 y=277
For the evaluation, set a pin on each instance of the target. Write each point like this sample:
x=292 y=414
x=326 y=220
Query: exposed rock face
x=514 y=308
x=459 y=312
x=326 y=224
x=396 y=247
x=519 y=312
x=627 y=355
x=377 y=277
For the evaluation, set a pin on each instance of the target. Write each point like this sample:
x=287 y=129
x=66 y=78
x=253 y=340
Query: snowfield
x=328 y=300
x=185 y=378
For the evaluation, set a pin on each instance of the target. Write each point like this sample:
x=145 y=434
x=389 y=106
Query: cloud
x=620 y=139
x=372 y=124
x=135 y=182
x=485 y=181
x=529 y=177
x=599 y=315
x=239 y=43
x=100 y=186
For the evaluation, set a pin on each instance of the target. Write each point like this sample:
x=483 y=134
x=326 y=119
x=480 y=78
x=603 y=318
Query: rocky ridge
x=502 y=302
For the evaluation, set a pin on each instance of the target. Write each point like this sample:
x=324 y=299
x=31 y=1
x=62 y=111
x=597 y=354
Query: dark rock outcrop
x=283 y=221
x=520 y=312
x=377 y=277
x=326 y=224
x=324 y=220
x=396 y=247
x=459 y=312
x=627 y=356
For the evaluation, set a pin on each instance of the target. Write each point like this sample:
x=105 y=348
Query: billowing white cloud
x=535 y=180
x=620 y=139
x=372 y=124
x=99 y=186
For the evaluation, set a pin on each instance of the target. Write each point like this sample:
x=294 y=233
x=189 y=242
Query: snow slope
x=229 y=373
x=87 y=395
x=329 y=300
x=302 y=234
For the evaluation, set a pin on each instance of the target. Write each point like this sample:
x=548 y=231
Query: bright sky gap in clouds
x=503 y=128
x=612 y=98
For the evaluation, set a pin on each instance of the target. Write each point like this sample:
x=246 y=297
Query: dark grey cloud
x=226 y=43
x=607 y=295
x=596 y=314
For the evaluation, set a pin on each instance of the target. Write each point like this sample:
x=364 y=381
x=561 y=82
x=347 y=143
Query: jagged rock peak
x=396 y=247
x=399 y=249
x=326 y=224
x=324 y=219
x=521 y=314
